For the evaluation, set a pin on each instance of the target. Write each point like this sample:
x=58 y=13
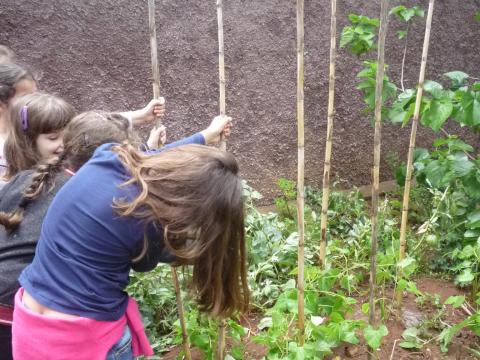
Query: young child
x=24 y=205
x=36 y=124
x=15 y=81
x=189 y=198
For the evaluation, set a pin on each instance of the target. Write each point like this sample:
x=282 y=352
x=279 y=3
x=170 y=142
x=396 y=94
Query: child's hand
x=155 y=108
x=157 y=137
x=219 y=125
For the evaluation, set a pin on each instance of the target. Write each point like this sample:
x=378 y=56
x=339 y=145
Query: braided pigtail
x=43 y=180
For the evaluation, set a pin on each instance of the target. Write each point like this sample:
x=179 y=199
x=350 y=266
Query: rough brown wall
x=96 y=54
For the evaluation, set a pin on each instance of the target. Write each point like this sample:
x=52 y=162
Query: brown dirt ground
x=96 y=54
x=457 y=350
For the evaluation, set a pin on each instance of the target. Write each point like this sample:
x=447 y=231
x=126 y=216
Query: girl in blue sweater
x=187 y=199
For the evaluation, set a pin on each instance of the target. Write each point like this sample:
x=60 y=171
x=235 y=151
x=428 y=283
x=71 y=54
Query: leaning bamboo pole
x=186 y=342
x=156 y=94
x=153 y=53
x=329 y=140
x=300 y=172
x=376 y=158
x=221 y=67
x=223 y=144
x=411 y=147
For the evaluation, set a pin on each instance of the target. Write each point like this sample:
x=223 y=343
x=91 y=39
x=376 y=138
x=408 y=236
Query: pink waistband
x=36 y=336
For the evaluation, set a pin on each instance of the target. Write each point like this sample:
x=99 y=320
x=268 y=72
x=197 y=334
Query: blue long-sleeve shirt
x=84 y=254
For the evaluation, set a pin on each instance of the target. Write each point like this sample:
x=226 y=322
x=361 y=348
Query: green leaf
x=408 y=266
x=432 y=87
x=446 y=336
x=412 y=340
x=373 y=337
x=401 y=34
x=419 y=11
x=465 y=277
x=455 y=301
x=365 y=308
x=435 y=173
x=347 y=36
x=474 y=220
x=397 y=10
x=410 y=345
x=477 y=16
x=457 y=77
x=439 y=112
x=460 y=164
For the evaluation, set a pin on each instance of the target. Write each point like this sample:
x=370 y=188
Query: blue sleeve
x=194 y=139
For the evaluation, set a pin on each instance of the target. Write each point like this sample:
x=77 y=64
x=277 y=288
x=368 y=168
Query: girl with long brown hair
x=187 y=199
x=36 y=125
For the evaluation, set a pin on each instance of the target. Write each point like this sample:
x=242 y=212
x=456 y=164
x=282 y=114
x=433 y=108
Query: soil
x=96 y=54
x=412 y=314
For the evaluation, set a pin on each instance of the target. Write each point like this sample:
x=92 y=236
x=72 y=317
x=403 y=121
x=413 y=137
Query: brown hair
x=10 y=75
x=45 y=114
x=83 y=135
x=195 y=193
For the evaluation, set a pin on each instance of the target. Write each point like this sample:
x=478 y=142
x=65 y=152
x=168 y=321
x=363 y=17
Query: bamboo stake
x=411 y=147
x=223 y=142
x=376 y=160
x=301 y=172
x=153 y=53
x=329 y=140
x=221 y=67
x=156 y=95
x=186 y=342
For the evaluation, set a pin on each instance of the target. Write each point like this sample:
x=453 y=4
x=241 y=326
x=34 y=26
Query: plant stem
x=411 y=147
x=404 y=56
x=445 y=132
x=329 y=140
x=301 y=172
x=376 y=163
x=186 y=343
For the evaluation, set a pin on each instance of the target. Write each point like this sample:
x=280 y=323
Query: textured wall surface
x=96 y=54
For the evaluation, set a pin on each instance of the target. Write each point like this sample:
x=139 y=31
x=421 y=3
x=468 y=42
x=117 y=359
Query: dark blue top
x=84 y=253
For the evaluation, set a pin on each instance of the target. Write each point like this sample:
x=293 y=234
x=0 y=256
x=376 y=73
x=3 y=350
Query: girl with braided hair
x=143 y=242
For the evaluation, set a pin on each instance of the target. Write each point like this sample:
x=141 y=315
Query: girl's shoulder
x=12 y=192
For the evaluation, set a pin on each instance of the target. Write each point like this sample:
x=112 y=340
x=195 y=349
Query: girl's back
x=17 y=247
x=87 y=243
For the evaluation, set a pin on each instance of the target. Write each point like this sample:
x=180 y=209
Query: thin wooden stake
x=153 y=52
x=376 y=160
x=329 y=140
x=223 y=143
x=411 y=147
x=301 y=172
x=221 y=67
x=178 y=294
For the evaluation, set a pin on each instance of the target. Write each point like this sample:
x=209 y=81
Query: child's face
x=49 y=146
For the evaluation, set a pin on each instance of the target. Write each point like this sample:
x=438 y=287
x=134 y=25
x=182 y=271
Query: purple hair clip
x=24 y=117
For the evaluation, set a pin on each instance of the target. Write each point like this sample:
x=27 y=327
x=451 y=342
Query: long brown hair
x=195 y=193
x=83 y=135
x=44 y=114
